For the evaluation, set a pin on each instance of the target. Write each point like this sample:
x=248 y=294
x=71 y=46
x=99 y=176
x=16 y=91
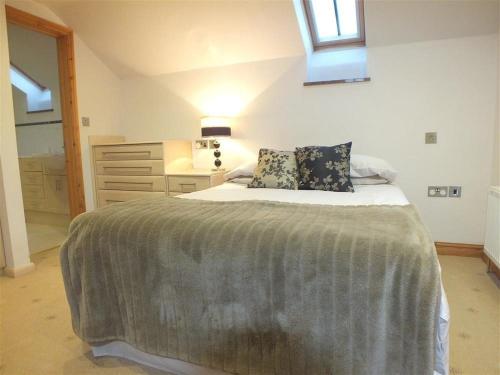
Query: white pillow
x=373 y=180
x=241 y=180
x=368 y=166
x=244 y=170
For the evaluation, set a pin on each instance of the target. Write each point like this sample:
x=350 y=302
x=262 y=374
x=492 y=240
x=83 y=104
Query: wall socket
x=437 y=191
x=444 y=191
x=201 y=144
x=431 y=138
x=85 y=121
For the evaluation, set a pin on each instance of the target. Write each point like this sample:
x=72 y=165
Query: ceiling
x=157 y=37
x=150 y=38
x=405 y=21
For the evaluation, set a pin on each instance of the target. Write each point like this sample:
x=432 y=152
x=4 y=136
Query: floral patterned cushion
x=275 y=169
x=325 y=168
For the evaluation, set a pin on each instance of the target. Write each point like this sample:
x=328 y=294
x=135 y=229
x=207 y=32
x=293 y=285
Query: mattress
x=386 y=194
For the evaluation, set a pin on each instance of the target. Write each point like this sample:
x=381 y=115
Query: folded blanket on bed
x=258 y=287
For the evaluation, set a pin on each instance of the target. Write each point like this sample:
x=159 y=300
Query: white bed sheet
x=386 y=194
x=363 y=195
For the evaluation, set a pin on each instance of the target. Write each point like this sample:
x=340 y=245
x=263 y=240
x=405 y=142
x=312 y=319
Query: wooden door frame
x=69 y=105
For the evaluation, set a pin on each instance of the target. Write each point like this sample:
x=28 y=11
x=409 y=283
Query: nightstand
x=192 y=180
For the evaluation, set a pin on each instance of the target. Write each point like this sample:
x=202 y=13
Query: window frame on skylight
x=356 y=41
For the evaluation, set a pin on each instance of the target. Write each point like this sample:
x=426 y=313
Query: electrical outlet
x=454 y=191
x=437 y=191
x=201 y=144
x=431 y=138
x=85 y=121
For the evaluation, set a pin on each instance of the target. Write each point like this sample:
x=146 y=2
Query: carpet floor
x=36 y=335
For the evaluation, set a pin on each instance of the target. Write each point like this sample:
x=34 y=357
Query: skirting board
x=19 y=271
x=491 y=266
x=468 y=250
x=459 y=249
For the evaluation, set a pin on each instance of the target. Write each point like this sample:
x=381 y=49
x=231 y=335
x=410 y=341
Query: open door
x=69 y=108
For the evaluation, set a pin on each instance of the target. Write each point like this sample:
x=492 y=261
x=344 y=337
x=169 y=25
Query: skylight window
x=39 y=97
x=335 y=22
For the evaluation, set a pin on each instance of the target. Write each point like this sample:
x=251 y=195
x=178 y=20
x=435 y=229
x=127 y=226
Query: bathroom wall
x=36 y=54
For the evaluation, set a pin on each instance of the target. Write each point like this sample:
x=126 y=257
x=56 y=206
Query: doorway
x=47 y=128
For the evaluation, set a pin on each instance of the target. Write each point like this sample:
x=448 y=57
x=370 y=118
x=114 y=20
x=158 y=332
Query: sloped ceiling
x=154 y=37
x=406 y=21
x=157 y=37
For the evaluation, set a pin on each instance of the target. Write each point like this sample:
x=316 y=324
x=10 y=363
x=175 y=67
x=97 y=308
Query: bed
x=406 y=333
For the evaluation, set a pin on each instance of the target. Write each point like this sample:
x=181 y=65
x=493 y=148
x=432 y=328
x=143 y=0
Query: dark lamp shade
x=216 y=131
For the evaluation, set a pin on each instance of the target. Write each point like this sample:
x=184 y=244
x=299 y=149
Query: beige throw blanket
x=258 y=287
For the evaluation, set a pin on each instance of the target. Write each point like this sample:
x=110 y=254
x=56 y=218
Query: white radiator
x=492 y=240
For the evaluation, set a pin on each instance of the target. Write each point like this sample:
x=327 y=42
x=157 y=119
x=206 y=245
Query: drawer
x=33 y=192
x=130 y=168
x=187 y=184
x=31 y=165
x=35 y=205
x=54 y=166
x=135 y=183
x=106 y=197
x=129 y=152
x=32 y=178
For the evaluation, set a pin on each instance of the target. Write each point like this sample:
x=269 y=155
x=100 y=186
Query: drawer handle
x=122 y=154
x=116 y=184
x=124 y=170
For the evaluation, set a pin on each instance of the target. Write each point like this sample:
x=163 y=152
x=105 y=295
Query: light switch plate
x=437 y=191
x=85 y=121
x=431 y=138
x=454 y=191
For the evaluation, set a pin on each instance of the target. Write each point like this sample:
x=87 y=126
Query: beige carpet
x=36 y=336
x=474 y=298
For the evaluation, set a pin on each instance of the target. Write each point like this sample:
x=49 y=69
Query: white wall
x=495 y=175
x=40 y=139
x=99 y=98
x=444 y=86
x=35 y=54
x=11 y=201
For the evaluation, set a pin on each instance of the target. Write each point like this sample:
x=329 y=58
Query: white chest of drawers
x=126 y=171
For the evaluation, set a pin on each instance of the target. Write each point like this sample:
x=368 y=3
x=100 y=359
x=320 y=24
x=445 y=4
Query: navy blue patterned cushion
x=325 y=168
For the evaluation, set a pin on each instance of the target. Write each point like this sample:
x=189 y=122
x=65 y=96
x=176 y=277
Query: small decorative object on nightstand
x=192 y=180
x=213 y=127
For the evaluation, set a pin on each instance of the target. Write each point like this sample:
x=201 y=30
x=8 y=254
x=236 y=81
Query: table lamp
x=214 y=127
